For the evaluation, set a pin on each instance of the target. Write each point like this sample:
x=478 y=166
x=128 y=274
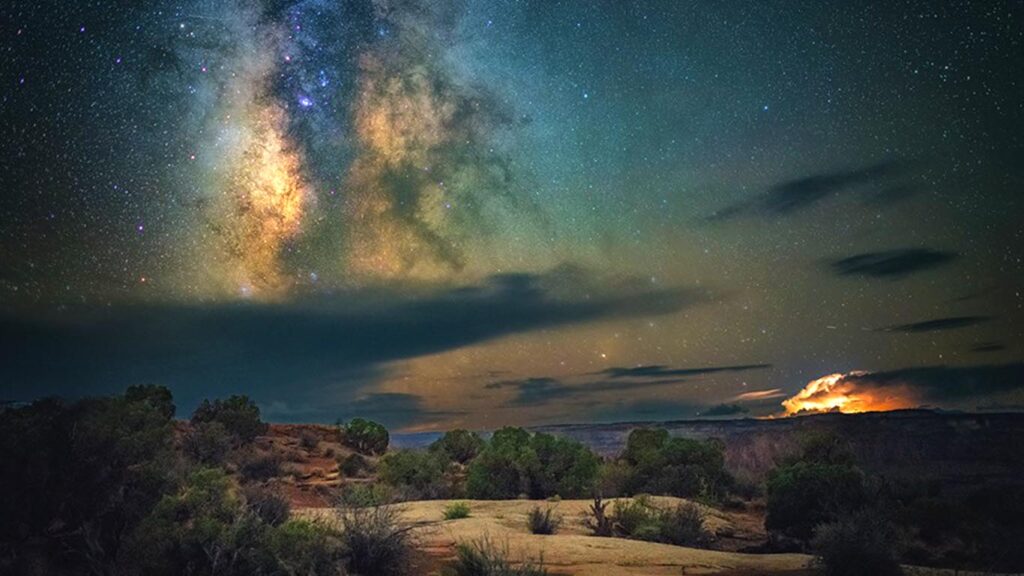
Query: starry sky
x=450 y=213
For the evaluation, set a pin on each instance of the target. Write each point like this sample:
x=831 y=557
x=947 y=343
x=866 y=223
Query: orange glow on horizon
x=843 y=393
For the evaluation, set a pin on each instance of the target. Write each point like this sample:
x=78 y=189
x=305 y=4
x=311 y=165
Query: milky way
x=438 y=213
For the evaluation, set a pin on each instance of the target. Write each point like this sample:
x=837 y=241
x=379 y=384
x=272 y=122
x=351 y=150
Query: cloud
x=314 y=351
x=892 y=264
x=795 y=195
x=543 y=390
x=660 y=371
x=906 y=388
x=724 y=410
x=988 y=347
x=938 y=324
x=759 y=395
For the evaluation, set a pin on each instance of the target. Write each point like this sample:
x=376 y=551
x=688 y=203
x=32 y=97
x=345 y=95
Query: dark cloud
x=311 y=351
x=988 y=347
x=542 y=390
x=891 y=264
x=661 y=371
x=941 y=384
x=938 y=324
x=724 y=410
x=796 y=195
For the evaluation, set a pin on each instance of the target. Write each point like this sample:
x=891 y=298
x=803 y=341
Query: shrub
x=542 y=522
x=354 y=465
x=376 y=543
x=365 y=495
x=238 y=414
x=597 y=519
x=635 y=518
x=79 y=477
x=456 y=510
x=309 y=548
x=540 y=465
x=309 y=440
x=365 y=436
x=262 y=467
x=207 y=443
x=268 y=504
x=683 y=525
x=673 y=466
x=482 y=558
x=856 y=545
x=459 y=445
x=641 y=519
x=421 y=471
x=803 y=495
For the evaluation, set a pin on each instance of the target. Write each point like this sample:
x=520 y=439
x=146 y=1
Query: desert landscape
x=511 y=288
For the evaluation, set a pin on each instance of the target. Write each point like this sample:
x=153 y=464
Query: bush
x=365 y=436
x=308 y=548
x=515 y=462
x=640 y=519
x=456 y=510
x=482 y=558
x=309 y=440
x=366 y=495
x=376 y=544
x=542 y=522
x=238 y=414
x=268 y=504
x=856 y=545
x=683 y=525
x=459 y=445
x=673 y=466
x=421 y=471
x=79 y=477
x=354 y=465
x=260 y=468
x=207 y=443
x=803 y=495
x=635 y=518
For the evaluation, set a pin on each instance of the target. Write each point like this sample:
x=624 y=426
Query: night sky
x=442 y=214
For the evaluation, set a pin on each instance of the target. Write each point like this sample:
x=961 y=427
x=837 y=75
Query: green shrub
x=459 y=445
x=307 y=548
x=800 y=496
x=423 y=472
x=456 y=510
x=641 y=519
x=515 y=462
x=482 y=558
x=634 y=518
x=354 y=465
x=376 y=543
x=542 y=521
x=79 y=477
x=207 y=443
x=238 y=414
x=366 y=495
x=674 y=466
x=683 y=525
x=365 y=436
x=855 y=545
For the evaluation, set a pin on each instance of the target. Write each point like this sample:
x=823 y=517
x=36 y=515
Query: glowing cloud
x=847 y=394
